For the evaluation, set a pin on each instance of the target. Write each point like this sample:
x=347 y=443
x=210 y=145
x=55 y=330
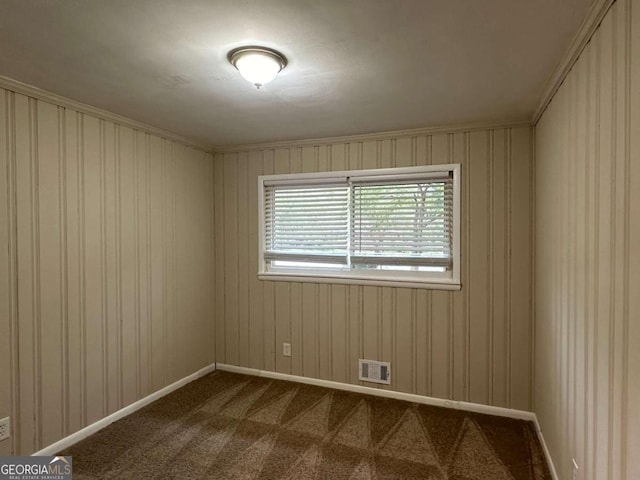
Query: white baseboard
x=547 y=454
x=128 y=410
x=410 y=397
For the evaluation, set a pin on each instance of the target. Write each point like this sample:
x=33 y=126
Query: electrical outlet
x=286 y=349
x=5 y=428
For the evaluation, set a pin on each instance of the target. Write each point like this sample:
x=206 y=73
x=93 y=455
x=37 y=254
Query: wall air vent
x=372 y=371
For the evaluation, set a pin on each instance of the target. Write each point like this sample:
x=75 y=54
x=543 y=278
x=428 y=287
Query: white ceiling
x=355 y=66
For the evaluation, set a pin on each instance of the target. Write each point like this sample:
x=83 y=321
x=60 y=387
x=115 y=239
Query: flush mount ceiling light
x=258 y=65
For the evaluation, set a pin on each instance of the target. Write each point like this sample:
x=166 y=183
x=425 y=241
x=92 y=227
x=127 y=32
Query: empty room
x=331 y=239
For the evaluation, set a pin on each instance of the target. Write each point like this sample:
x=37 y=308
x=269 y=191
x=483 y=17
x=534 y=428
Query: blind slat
x=408 y=261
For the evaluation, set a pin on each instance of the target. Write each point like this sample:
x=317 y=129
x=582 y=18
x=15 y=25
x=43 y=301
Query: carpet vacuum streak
x=231 y=426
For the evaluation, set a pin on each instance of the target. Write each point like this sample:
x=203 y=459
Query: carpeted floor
x=230 y=426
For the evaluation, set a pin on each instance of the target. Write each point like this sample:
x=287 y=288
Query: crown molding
x=589 y=25
x=35 y=92
x=454 y=128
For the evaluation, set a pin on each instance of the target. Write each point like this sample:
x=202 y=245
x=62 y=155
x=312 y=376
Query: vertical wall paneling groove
x=597 y=46
x=626 y=138
x=164 y=235
x=255 y=324
x=507 y=263
x=145 y=259
x=465 y=258
x=135 y=208
x=468 y=345
x=147 y=243
x=23 y=270
x=13 y=277
x=93 y=316
x=63 y=272
x=589 y=146
x=118 y=261
x=180 y=176
x=613 y=316
x=489 y=273
x=580 y=266
x=212 y=278
x=632 y=359
x=35 y=252
x=532 y=279
x=157 y=279
x=176 y=333
x=82 y=273
x=498 y=253
x=168 y=234
x=230 y=256
x=243 y=255
x=137 y=156
x=9 y=284
x=101 y=300
x=110 y=269
x=586 y=257
x=5 y=268
x=571 y=266
x=219 y=261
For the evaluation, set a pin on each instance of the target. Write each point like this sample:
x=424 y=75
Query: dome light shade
x=257 y=65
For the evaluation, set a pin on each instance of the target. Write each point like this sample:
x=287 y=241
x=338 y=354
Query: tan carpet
x=230 y=426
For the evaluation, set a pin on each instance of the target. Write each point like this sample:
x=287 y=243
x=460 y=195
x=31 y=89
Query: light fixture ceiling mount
x=257 y=65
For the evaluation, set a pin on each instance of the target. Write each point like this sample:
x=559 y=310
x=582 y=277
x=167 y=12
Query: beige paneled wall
x=106 y=267
x=473 y=345
x=587 y=379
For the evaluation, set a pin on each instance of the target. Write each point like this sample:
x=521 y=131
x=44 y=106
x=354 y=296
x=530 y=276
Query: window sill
x=433 y=284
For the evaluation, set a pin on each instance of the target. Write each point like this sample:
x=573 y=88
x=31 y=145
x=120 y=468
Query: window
x=397 y=226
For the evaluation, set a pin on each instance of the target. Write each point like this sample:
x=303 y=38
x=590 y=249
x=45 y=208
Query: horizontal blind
x=402 y=222
x=306 y=222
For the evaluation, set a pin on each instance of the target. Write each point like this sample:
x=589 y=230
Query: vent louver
x=373 y=371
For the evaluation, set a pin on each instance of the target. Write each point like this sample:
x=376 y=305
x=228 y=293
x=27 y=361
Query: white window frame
x=389 y=278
